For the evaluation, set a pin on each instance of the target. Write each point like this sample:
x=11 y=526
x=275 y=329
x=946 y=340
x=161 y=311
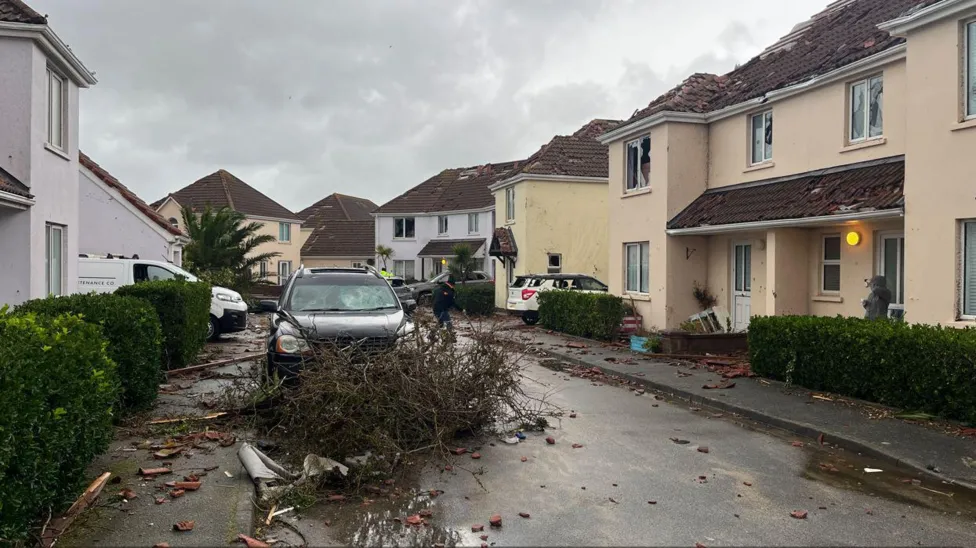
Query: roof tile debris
x=861 y=187
x=222 y=189
x=337 y=207
x=457 y=189
x=12 y=185
x=130 y=196
x=342 y=238
x=15 y=11
x=576 y=155
x=503 y=243
x=445 y=248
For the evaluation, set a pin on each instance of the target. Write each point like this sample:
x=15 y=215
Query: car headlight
x=228 y=297
x=289 y=344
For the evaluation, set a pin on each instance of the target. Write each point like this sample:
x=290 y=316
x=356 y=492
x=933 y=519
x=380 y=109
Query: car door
x=589 y=285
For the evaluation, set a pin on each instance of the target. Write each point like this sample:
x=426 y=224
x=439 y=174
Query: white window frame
x=767 y=152
x=283 y=276
x=866 y=82
x=509 y=272
x=962 y=270
x=54 y=233
x=629 y=174
x=472 y=223
x=357 y=264
x=510 y=204
x=60 y=131
x=284 y=232
x=830 y=262
x=442 y=225
x=643 y=270
x=405 y=236
x=263 y=269
x=559 y=260
x=969 y=77
x=879 y=268
x=402 y=270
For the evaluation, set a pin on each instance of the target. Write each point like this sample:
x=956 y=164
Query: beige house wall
x=171 y=210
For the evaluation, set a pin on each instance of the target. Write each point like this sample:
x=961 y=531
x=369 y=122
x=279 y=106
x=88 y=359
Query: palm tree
x=384 y=253
x=223 y=241
x=463 y=263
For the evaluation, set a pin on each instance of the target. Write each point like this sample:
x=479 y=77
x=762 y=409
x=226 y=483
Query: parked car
x=228 y=311
x=403 y=293
x=338 y=307
x=523 y=294
x=422 y=291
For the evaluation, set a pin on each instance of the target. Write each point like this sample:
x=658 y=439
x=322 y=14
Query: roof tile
x=342 y=238
x=15 y=11
x=578 y=155
x=223 y=189
x=337 y=207
x=445 y=248
x=11 y=184
x=457 y=189
x=130 y=196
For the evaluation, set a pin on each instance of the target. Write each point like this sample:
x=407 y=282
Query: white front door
x=891 y=265
x=741 y=286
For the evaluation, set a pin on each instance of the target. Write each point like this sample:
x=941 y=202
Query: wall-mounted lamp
x=444 y=261
x=853 y=238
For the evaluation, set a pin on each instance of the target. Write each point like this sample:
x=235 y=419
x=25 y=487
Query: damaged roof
x=12 y=185
x=130 y=196
x=15 y=11
x=337 y=207
x=445 y=248
x=458 y=189
x=861 y=187
x=578 y=155
x=503 y=243
x=844 y=32
x=222 y=189
x=342 y=238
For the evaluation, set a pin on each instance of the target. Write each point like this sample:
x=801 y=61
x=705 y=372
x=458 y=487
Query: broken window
x=867 y=120
x=830 y=265
x=969 y=269
x=555 y=263
x=442 y=224
x=510 y=203
x=970 y=55
x=762 y=137
x=403 y=227
x=639 y=163
x=636 y=256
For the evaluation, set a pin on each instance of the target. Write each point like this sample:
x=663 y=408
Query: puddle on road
x=844 y=470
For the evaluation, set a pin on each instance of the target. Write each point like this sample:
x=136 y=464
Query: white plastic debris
x=264 y=471
x=511 y=441
x=873 y=470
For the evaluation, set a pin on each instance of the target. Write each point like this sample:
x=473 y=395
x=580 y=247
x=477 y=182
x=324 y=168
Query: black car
x=332 y=306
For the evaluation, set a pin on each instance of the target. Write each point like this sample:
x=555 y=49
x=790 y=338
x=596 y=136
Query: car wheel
x=424 y=299
x=213 y=329
x=530 y=318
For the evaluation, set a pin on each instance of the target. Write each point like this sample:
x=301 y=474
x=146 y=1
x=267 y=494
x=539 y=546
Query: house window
x=830 y=265
x=637 y=257
x=891 y=265
x=357 y=265
x=178 y=257
x=555 y=263
x=510 y=203
x=969 y=270
x=762 y=137
x=639 y=163
x=866 y=117
x=284 y=232
x=54 y=259
x=174 y=222
x=403 y=228
x=970 y=60
x=263 y=270
x=404 y=269
x=509 y=272
x=284 y=270
x=442 y=224
x=472 y=223
x=56 y=91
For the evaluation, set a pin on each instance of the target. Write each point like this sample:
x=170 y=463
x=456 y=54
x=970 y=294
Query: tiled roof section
x=861 y=187
x=337 y=207
x=222 y=188
x=11 y=184
x=503 y=243
x=130 y=196
x=455 y=189
x=342 y=238
x=15 y=11
x=445 y=248
x=579 y=154
x=846 y=31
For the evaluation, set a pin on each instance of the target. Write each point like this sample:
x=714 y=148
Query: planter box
x=682 y=342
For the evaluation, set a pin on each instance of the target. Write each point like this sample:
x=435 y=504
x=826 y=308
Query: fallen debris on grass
x=57 y=527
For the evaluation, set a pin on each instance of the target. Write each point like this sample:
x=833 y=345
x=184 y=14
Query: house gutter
x=546 y=179
x=52 y=44
x=707 y=230
x=929 y=14
x=15 y=201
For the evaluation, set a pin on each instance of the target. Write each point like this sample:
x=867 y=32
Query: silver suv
x=422 y=291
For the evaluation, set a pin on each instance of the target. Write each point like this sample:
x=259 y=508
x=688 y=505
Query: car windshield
x=180 y=272
x=340 y=294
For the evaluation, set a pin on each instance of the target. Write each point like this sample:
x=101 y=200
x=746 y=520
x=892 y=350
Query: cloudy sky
x=302 y=98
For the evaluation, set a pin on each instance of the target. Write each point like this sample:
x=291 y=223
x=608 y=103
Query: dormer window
x=639 y=163
x=762 y=137
x=57 y=88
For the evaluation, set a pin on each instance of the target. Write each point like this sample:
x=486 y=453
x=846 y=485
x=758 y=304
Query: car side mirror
x=268 y=306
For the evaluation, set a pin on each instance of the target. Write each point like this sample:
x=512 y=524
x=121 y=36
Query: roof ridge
x=222 y=175
x=342 y=206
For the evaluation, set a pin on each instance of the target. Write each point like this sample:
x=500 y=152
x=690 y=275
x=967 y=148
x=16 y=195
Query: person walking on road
x=444 y=302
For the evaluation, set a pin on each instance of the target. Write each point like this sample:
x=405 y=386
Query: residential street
x=741 y=492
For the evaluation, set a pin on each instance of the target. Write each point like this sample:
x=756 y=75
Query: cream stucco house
x=551 y=211
x=868 y=171
x=223 y=189
x=338 y=230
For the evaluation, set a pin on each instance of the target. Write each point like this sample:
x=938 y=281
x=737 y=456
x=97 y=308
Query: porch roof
x=848 y=190
x=445 y=248
x=503 y=243
x=11 y=184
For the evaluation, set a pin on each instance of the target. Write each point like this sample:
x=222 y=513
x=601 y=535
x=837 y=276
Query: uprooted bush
x=57 y=390
x=591 y=315
x=419 y=395
x=476 y=299
x=184 y=310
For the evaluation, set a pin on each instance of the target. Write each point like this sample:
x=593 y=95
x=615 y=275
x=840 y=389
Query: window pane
x=757 y=139
x=971 y=66
x=633 y=268
x=969 y=275
x=890 y=267
x=54 y=260
x=738 y=267
x=56 y=110
x=633 y=165
x=901 y=276
x=875 y=118
x=747 y=268
x=831 y=248
x=645 y=161
x=408 y=223
x=769 y=136
x=858 y=92
x=408 y=273
x=831 y=277
x=645 y=268
x=397 y=228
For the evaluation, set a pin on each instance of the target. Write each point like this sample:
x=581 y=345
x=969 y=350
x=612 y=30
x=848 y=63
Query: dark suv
x=341 y=307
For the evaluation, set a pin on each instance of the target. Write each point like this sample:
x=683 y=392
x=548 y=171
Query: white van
x=228 y=311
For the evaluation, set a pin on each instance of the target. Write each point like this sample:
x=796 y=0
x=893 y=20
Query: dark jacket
x=444 y=299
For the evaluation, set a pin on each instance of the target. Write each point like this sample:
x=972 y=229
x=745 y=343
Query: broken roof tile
x=16 y=11
x=11 y=184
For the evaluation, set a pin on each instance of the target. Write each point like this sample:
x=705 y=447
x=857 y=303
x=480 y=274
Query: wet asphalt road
x=598 y=495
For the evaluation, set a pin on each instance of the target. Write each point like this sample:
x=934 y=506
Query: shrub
x=132 y=330
x=184 y=310
x=57 y=389
x=917 y=367
x=592 y=315
x=476 y=299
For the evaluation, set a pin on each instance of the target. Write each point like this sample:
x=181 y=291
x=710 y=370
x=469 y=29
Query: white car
x=523 y=294
x=228 y=311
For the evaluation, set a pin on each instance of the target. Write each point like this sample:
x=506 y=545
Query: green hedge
x=132 y=329
x=915 y=367
x=57 y=390
x=476 y=299
x=183 y=309
x=591 y=315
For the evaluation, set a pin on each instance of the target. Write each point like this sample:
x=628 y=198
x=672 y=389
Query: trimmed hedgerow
x=57 y=390
x=591 y=315
x=476 y=299
x=916 y=367
x=183 y=309
x=134 y=336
